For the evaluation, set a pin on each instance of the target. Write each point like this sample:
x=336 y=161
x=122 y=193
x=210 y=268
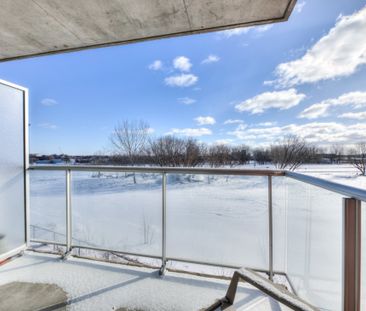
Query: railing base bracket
x=66 y=255
x=162 y=269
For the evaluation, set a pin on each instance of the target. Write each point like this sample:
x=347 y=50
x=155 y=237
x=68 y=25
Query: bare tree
x=358 y=158
x=290 y=152
x=239 y=155
x=129 y=139
x=193 y=152
x=218 y=155
x=314 y=154
x=173 y=151
x=336 y=153
x=261 y=155
x=167 y=151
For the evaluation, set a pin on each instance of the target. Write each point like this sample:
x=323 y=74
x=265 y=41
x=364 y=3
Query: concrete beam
x=38 y=27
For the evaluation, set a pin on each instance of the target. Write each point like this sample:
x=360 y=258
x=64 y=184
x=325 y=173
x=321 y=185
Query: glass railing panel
x=47 y=205
x=117 y=211
x=279 y=202
x=12 y=218
x=314 y=244
x=218 y=219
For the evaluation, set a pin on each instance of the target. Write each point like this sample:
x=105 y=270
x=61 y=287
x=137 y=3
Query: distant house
x=50 y=161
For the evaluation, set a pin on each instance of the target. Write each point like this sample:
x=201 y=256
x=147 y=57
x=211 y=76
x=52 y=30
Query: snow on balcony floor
x=92 y=285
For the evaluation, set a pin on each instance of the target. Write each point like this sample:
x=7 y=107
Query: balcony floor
x=92 y=285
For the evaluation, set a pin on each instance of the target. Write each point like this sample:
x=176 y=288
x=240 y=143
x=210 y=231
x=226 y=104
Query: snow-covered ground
x=220 y=219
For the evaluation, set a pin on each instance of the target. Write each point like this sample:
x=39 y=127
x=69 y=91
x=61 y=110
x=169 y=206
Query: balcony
x=172 y=240
x=162 y=238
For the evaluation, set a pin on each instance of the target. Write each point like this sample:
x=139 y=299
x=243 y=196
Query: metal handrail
x=351 y=192
x=161 y=170
x=348 y=191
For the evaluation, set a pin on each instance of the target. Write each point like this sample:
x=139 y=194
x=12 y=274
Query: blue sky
x=254 y=85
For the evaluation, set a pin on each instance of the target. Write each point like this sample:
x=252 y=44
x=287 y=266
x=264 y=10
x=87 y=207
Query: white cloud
x=315 y=111
x=354 y=115
x=240 y=31
x=315 y=132
x=150 y=130
x=299 y=6
x=46 y=125
x=156 y=65
x=278 y=99
x=192 y=132
x=231 y=121
x=265 y=124
x=269 y=82
x=322 y=109
x=263 y=28
x=235 y=32
x=223 y=141
x=182 y=80
x=252 y=134
x=186 y=100
x=49 y=102
x=205 y=120
x=239 y=131
x=182 y=63
x=337 y=54
x=211 y=59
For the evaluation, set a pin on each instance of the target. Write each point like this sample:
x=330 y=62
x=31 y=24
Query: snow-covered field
x=220 y=219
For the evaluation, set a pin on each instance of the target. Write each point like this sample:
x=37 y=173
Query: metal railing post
x=270 y=229
x=163 y=245
x=68 y=214
x=352 y=254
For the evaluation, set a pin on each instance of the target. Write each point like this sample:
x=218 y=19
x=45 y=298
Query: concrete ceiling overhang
x=38 y=27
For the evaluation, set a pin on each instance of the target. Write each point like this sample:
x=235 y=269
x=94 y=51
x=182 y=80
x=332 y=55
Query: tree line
x=133 y=145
